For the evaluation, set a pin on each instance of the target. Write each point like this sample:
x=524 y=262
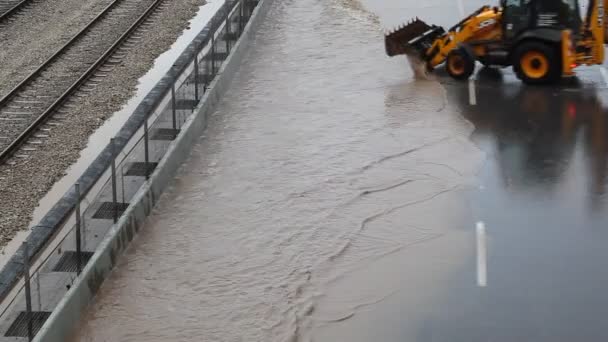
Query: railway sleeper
x=20 y=110
x=69 y=104
x=57 y=87
x=61 y=111
x=52 y=75
x=126 y=45
x=89 y=86
x=107 y=68
x=114 y=61
x=29 y=93
x=34 y=142
x=92 y=83
x=82 y=93
x=96 y=79
x=17 y=115
x=13 y=106
x=11 y=119
x=27 y=101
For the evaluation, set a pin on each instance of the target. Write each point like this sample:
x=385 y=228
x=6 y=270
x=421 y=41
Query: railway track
x=30 y=111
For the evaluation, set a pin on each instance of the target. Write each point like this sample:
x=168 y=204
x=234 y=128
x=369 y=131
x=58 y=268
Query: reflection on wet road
x=334 y=198
x=543 y=200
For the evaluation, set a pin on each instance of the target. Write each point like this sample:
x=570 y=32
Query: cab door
x=517 y=17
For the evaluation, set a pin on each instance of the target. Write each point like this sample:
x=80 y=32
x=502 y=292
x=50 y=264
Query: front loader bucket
x=414 y=38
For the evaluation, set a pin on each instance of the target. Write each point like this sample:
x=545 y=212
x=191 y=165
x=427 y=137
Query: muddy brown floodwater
x=324 y=157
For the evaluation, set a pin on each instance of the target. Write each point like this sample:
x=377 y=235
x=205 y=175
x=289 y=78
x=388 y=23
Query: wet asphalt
x=541 y=195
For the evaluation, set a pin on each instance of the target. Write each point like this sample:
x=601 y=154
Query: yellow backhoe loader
x=543 y=40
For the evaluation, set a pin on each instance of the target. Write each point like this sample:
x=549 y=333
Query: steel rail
x=13 y=9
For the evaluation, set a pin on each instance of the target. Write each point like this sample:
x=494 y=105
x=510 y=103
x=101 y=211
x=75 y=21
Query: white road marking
x=482 y=273
x=604 y=75
x=472 y=92
x=460 y=8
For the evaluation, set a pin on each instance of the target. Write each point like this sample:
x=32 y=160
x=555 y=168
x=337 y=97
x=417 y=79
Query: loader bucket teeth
x=413 y=38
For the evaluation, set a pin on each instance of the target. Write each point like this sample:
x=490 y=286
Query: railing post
x=146 y=147
x=206 y=80
x=78 y=239
x=213 y=54
x=196 y=78
x=227 y=33
x=241 y=4
x=173 y=107
x=114 y=194
x=28 y=293
x=39 y=293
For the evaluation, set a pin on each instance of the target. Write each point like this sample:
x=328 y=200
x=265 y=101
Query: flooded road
x=335 y=197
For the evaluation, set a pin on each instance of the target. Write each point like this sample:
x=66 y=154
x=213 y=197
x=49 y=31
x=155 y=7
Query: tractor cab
x=522 y=16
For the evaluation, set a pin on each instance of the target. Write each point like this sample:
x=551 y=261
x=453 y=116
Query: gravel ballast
x=23 y=185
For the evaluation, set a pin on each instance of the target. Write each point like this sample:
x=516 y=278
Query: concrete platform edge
x=60 y=325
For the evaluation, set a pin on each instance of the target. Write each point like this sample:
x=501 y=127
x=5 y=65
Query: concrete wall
x=67 y=314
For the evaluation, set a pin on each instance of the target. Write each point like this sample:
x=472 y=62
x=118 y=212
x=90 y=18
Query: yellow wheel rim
x=534 y=64
x=456 y=64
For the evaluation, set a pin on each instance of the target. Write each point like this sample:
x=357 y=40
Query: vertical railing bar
x=83 y=231
x=213 y=54
x=39 y=294
x=28 y=294
x=227 y=33
x=207 y=77
x=241 y=17
x=146 y=148
x=78 y=227
x=173 y=107
x=122 y=183
x=114 y=191
x=196 y=78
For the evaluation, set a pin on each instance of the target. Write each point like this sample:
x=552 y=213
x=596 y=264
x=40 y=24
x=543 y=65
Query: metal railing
x=48 y=274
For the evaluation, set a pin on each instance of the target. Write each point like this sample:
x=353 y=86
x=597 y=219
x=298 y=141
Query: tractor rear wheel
x=459 y=64
x=537 y=63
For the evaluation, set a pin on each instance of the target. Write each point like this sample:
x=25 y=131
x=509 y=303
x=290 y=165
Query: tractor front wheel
x=459 y=64
x=537 y=63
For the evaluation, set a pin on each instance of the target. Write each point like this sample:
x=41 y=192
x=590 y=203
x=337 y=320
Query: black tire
x=460 y=64
x=544 y=67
